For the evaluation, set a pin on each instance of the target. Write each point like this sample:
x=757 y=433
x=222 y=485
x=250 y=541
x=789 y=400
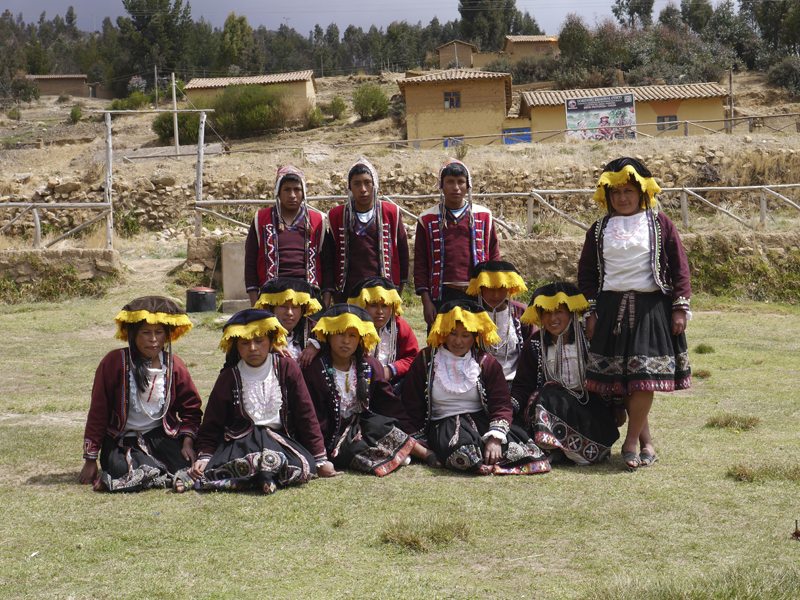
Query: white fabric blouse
x=346 y=382
x=262 y=394
x=626 y=253
x=385 y=346
x=294 y=350
x=507 y=351
x=146 y=409
x=455 y=385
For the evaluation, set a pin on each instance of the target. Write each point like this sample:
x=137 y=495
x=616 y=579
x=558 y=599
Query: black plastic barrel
x=201 y=299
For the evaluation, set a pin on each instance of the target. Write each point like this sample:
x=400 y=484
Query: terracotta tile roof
x=473 y=46
x=221 y=82
x=642 y=94
x=453 y=75
x=75 y=76
x=531 y=38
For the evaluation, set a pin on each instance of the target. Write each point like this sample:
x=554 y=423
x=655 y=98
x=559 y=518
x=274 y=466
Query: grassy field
x=684 y=528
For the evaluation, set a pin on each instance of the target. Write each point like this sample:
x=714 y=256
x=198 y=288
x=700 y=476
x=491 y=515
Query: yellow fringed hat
x=341 y=317
x=496 y=274
x=154 y=310
x=282 y=289
x=471 y=315
x=376 y=289
x=620 y=172
x=250 y=323
x=549 y=297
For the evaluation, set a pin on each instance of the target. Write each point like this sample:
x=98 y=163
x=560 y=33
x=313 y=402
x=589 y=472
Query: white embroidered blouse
x=626 y=252
x=262 y=394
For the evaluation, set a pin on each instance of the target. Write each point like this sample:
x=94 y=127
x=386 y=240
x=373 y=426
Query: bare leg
x=638 y=405
x=420 y=452
x=645 y=440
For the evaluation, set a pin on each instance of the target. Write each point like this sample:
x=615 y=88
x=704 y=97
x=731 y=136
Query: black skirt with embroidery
x=584 y=428
x=633 y=348
x=371 y=443
x=263 y=459
x=138 y=462
x=458 y=444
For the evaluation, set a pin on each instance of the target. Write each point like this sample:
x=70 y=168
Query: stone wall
x=26 y=266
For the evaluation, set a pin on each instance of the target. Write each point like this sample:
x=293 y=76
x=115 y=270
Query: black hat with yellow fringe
x=341 y=317
x=282 y=289
x=376 y=289
x=622 y=171
x=155 y=310
x=549 y=297
x=471 y=315
x=496 y=274
x=249 y=323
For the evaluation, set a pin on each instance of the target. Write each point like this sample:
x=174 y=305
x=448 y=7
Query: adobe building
x=454 y=51
x=300 y=86
x=657 y=104
x=456 y=103
x=518 y=46
x=74 y=85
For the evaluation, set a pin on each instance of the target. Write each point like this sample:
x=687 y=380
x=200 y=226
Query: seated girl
x=292 y=301
x=145 y=410
x=257 y=409
x=494 y=282
x=398 y=345
x=561 y=414
x=361 y=420
x=457 y=398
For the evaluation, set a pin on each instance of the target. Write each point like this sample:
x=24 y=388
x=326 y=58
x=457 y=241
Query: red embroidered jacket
x=226 y=419
x=342 y=264
x=263 y=255
x=435 y=258
x=406 y=350
x=108 y=411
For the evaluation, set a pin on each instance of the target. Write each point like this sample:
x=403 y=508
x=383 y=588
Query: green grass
x=685 y=528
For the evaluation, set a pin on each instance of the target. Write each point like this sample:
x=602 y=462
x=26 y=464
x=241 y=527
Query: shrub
x=370 y=103
x=500 y=65
x=133 y=102
x=245 y=111
x=314 y=118
x=126 y=224
x=63 y=98
x=75 y=114
x=137 y=84
x=13 y=114
x=786 y=74
x=530 y=69
x=24 y=89
x=397 y=111
x=337 y=108
x=188 y=127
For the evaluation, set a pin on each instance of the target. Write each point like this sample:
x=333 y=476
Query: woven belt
x=628 y=302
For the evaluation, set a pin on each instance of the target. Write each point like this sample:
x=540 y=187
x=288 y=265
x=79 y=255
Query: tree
x=633 y=12
x=574 y=40
x=156 y=33
x=525 y=24
x=696 y=13
x=486 y=23
x=36 y=58
x=236 y=41
x=732 y=30
x=670 y=17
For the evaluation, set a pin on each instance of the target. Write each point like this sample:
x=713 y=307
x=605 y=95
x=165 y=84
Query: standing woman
x=561 y=414
x=457 y=399
x=258 y=407
x=634 y=274
x=145 y=409
x=361 y=420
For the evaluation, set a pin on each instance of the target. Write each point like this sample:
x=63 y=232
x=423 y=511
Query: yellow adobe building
x=455 y=104
x=300 y=85
x=656 y=104
x=449 y=52
x=517 y=46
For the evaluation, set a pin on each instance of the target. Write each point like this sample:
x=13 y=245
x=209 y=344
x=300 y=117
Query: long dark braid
x=140 y=362
x=362 y=387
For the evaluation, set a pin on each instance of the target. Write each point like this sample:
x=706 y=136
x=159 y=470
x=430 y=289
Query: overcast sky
x=302 y=15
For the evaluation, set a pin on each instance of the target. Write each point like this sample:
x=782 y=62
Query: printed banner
x=601 y=117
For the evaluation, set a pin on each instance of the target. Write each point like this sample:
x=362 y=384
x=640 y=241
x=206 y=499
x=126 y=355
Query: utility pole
x=175 y=116
x=155 y=82
x=730 y=92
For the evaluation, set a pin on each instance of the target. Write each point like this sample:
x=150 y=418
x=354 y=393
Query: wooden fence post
x=198 y=185
x=686 y=128
x=763 y=208
x=108 y=185
x=530 y=214
x=685 y=209
x=37 y=230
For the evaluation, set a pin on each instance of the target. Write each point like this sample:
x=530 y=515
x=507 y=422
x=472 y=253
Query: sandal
x=631 y=459
x=432 y=460
x=646 y=459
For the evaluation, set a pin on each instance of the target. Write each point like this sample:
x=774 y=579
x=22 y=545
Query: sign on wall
x=601 y=117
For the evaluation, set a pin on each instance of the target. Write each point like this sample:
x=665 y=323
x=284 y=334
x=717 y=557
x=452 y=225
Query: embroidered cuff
x=404 y=280
x=419 y=290
x=394 y=370
x=90 y=451
x=315 y=343
x=328 y=290
x=252 y=288
x=188 y=433
x=204 y=456
x=495 y=434
x=592 y=304
x=514 y=404
x=681 y=304
x=91 y=456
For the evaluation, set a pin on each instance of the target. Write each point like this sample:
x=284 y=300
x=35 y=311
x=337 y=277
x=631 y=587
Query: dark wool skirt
x=585 y=432
x=372 y=444
x=458 y=444
x=262 y=459
x=644 y=356
x=140 y=462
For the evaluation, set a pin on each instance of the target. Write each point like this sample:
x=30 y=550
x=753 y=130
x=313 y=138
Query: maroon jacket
x=380 y=399
x=108 y=411
x=530 y=374
x=417 y=392
x=226 y=419
x=667 y=260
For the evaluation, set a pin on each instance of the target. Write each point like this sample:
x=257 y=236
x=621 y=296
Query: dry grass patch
x=761 y=473
x=421 y=534
x=733 y=421
x=701 y=373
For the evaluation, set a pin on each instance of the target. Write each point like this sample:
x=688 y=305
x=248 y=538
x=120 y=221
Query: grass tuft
x=760 y=473
x=704 y=349
x=422 y=534
x=701 y=373
x=55 y=284
x=732 y=421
